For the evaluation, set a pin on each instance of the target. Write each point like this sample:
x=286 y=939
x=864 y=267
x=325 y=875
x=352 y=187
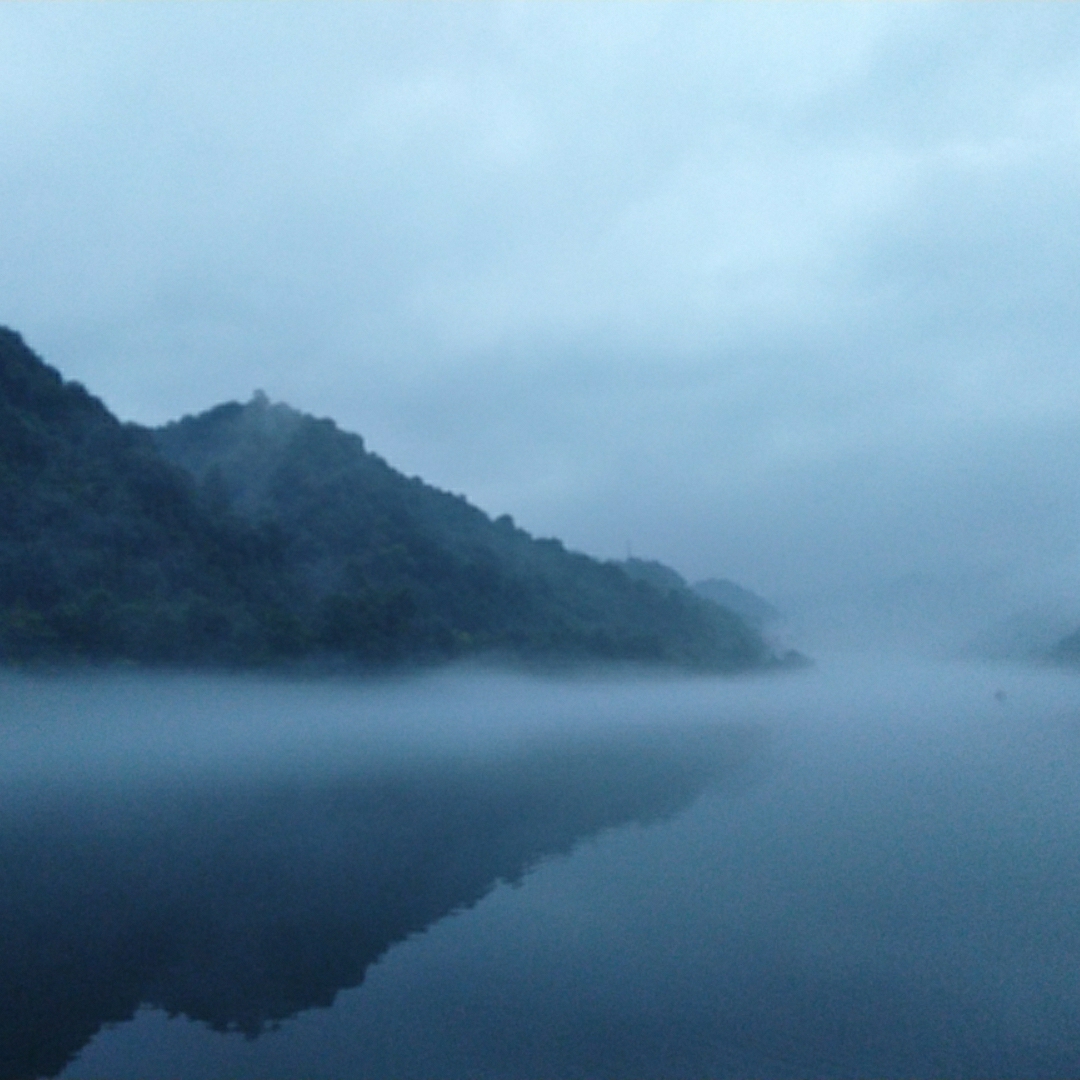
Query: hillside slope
x=746 y=604
x=394 y=566
x=253 y=535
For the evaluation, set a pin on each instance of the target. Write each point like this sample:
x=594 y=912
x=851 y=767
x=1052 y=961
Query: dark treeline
x=255 y=535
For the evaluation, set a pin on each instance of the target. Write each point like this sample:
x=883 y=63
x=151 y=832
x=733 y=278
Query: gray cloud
x=785 y=293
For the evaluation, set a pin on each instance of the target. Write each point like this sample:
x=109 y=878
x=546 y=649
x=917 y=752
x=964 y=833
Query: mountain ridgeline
x=254 y=535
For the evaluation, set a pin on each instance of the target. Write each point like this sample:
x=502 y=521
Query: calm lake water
x=865 y=869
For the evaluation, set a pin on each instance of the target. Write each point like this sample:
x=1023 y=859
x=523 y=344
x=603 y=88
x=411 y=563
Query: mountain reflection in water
x=240 y=897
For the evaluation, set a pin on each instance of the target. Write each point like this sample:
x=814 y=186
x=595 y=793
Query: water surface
x=867 y=869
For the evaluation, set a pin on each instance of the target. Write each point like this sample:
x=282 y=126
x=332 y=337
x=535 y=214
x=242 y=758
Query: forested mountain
x=253 y=534
x=106 y=550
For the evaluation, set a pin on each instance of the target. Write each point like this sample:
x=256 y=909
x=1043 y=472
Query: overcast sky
x=788 y=294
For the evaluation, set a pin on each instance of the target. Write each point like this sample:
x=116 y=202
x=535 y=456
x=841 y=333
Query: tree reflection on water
x=241 y=900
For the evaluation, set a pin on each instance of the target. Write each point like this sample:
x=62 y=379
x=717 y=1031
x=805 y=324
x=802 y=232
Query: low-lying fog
x=864 y=868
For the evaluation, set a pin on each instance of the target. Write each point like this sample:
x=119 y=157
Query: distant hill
x=1026 y=634
x=254 y=534
x=733 y=599
x=743 y=602
x=726 y=594
x=1067 y=650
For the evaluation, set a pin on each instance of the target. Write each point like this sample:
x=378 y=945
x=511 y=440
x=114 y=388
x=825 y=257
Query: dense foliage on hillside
x=254 y=534
x=106 y=549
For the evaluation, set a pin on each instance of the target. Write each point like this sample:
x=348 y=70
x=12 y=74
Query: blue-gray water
x=865 y=869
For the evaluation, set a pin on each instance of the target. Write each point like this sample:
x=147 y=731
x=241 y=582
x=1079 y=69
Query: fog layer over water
x=867 y=868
